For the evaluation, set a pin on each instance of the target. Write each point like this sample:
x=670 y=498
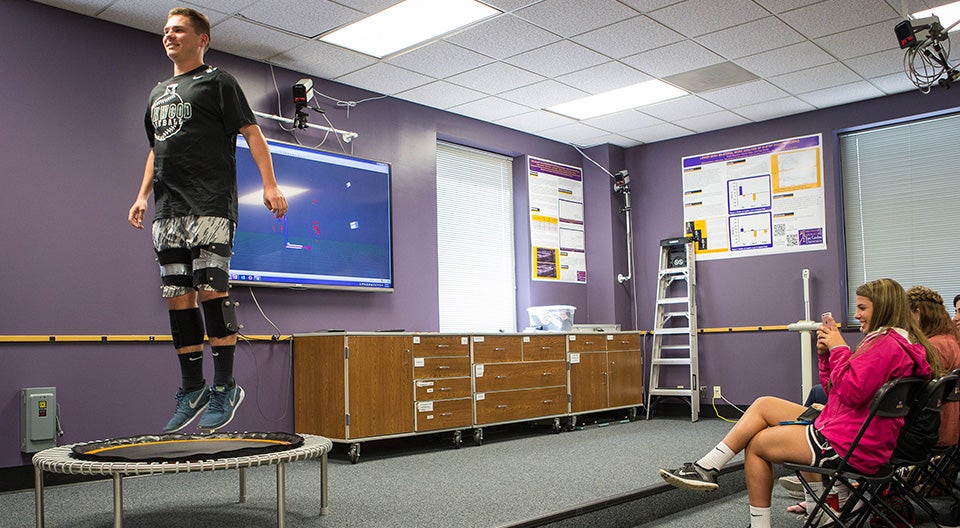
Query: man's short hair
x=199 y=21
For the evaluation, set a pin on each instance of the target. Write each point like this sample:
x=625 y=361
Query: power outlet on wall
x=703 y=391
x=716 y=392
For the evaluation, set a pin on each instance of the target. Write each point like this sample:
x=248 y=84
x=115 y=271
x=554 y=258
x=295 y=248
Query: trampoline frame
x=59 y=460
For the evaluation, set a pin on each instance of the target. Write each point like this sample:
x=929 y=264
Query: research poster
x=556 y=221
x=758 y=200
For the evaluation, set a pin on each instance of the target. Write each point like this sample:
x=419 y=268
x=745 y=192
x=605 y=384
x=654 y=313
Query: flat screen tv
x=336 y=234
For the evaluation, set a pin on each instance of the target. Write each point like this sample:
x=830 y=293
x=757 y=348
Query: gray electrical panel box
x=38 y=419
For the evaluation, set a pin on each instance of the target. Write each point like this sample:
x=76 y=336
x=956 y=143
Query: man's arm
x=139 y=207
x=273 y=198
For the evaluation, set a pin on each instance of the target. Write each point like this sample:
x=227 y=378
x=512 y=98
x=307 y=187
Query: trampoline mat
x=185 y=448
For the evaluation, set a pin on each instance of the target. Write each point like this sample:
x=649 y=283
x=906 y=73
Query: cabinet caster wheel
x=354 y=453
x=556 y=426
x=457 y=439
x=632 y=413
x=572 y=423
x=478 y=437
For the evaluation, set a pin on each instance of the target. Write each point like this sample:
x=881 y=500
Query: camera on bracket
x=912 y=33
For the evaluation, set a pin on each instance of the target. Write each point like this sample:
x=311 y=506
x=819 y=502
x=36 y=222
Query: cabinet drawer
x=510 y=406
x=509 y=376
x=444 y=414
x=624 y=342
x=445 y=345
x=544 y=348
x=442 y=389
x=497 y=349
x=587 y=342
x=441 y=367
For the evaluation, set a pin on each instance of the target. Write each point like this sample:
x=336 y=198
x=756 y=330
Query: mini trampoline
x=177 y=453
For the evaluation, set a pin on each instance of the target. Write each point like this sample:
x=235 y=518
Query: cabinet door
x=380 y=374
x=625 y=375
x=588 y=382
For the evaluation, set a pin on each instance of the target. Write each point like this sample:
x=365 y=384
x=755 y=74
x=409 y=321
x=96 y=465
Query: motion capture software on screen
x=336 y=234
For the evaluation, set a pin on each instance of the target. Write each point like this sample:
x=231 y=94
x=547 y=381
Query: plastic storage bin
x=553 y=318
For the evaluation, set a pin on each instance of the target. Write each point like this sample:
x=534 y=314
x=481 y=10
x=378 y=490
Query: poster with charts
x=556 y=221
x=758 y=200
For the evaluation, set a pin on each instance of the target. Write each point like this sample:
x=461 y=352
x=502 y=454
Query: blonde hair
x=934 y=319
x=891 y=308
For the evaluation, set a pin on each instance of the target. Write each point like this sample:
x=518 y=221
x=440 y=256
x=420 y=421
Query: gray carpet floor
x=519 y=476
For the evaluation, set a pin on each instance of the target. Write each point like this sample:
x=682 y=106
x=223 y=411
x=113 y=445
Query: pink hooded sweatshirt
x=852 y=381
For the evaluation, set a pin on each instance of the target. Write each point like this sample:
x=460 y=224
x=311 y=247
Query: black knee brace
x=210 y=263
x=220 y=316
x=175 y=266
x=186 y=327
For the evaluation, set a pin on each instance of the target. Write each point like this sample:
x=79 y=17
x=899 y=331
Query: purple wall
x=73 y=149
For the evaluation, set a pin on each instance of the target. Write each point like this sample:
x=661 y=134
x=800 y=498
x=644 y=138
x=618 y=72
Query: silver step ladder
x=675 y=325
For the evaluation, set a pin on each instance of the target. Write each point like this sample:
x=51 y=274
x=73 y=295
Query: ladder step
x=671 y=392
x=671 y=331
x=674 y=347
x=668 y=315
x=671 y=361
x=673 y=271
x=673 y=300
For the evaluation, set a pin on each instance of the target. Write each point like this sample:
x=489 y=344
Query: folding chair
x=912 y=461
x=893 y=400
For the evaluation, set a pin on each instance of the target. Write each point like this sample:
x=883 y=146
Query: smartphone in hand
x=826 y=317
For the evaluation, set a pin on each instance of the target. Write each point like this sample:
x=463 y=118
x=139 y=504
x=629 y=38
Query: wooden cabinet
x=349 y=386
x=441 y=378
x=519 y=377
x=606 y=371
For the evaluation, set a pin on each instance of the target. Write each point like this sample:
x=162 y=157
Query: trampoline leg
x=281 y=495
x=243 y=485
x=117 y=500
x=38 y=494
x=323 y=484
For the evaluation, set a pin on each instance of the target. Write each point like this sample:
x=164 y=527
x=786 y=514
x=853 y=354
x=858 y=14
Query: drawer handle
x=547 y=374
x=443 y=346
x=446 y=414
x=499 y=349
x=545 y=348
x=501 y=377
x=502 y=406
x=443 y=367
x=547 y=401
x=588 y=343
x=442 y=389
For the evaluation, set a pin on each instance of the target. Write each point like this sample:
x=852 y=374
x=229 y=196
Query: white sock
x=759 y=517
x=717 y=457
x=817 y=488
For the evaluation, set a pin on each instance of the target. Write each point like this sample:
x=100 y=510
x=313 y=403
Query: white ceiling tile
x=834 y=16
x=322 y=60
x=891 y=84
x=509 y=5
x=753 y=37
x=744 y=94
x=248 y=40
x=658 y=132
x=776 y=108
x=224 y=6
x=680 y=108
x=490 y=109
x=365 y=6
x=620 y=121
x=663 y=62
x=535 y=121
x=699 y=17
x=575 y=133
x=440 y=94
x=557 y=59
x=839 y=95
x=877 y=64
x=384 y=78
x=645 y=6
x=603 y=78
x=621 y=39
x=860 y=41
x=495 y=78
x=785 y=60
x=573 y=17
x=779 y=6
x=309 y=18
x=151 y=16
x=84 y=7
x=503 y=36
x=716 y=121
x=817 y=78
x=616 y=139
x=440 y=59
x=543 y=94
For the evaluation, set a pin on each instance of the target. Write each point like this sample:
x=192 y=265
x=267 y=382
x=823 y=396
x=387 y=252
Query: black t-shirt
x=192 y=122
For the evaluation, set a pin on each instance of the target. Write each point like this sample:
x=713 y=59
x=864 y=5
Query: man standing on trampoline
x=192 y=122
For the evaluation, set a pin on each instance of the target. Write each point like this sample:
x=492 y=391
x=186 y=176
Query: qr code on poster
x=792 y=240
x=779 y=229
